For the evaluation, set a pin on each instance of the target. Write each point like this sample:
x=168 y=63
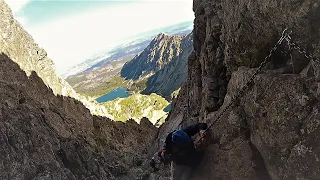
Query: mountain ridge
x=131 y=47
x=172 y=76
x=151 y=59
x=21 y=48
x=165 y=56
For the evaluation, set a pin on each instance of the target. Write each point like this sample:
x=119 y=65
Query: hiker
x=180 y=148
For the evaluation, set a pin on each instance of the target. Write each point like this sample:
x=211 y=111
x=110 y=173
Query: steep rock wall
x=272 y=131
x=229 y=34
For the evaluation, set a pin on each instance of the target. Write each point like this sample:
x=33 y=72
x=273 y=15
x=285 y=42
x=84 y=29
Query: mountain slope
x=138 y=106
x=165 y=58
x=21 y=48
x=98 y=81
x=44 y=136
x=171 y=77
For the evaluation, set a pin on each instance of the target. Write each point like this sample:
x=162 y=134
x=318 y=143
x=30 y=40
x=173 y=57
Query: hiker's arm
x=168 y=144
x=167 y=150
x=194 y=129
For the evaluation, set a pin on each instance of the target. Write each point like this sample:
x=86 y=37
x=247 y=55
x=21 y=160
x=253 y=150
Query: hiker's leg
x=194 y=160
x=180 y=172
x=198 y=158
x=185 y=175
x=175 y=171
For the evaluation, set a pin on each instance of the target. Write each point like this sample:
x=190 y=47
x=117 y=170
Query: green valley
x=153 y=77
x=137 y=106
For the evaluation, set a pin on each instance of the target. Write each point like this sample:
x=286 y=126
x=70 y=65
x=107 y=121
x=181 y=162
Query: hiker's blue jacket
x=186 y=153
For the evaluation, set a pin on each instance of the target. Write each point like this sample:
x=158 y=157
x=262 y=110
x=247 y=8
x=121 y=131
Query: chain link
x=295 y=46
x=284 y=36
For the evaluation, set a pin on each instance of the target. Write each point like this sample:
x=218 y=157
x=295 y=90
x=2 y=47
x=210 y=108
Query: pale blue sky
x=72 y=31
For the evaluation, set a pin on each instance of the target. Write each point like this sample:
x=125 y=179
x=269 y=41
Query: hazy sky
x=72 y=31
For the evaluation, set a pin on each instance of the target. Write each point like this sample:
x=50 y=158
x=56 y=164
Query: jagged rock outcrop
x=163 y=63
x=273 y=131
x=44 y=136
x=21 y=48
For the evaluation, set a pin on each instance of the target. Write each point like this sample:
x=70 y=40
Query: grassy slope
x=137 y=106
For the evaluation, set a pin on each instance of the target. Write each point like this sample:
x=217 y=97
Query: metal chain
x=285 y=35
x=295 y=46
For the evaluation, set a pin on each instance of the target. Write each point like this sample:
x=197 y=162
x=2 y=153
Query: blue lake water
x=120 y=92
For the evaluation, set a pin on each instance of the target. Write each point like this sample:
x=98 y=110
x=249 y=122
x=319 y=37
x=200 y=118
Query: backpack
x=181 y=139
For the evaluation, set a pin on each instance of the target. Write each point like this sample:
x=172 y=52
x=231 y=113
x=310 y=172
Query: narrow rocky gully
x=271 y=131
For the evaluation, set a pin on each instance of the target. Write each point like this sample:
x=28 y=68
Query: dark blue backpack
x=181 y=139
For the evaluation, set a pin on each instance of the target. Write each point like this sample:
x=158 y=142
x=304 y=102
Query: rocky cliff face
x=16 y=43
x=272 y=131
x=44 y=136
x=163 y=63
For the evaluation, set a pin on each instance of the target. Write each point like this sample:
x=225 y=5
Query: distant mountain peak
x=161 y=36
x=164 y=58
